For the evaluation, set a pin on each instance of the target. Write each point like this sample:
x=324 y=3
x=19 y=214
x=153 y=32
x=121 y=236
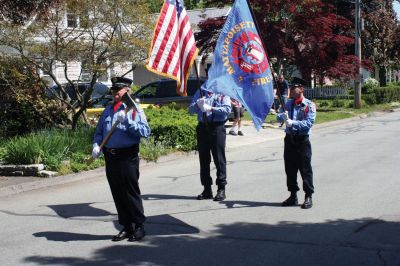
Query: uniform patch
x=313 y=107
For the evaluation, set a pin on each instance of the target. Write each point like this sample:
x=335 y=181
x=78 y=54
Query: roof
x=197 y=15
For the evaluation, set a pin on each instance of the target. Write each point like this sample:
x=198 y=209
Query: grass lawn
x=326 y=114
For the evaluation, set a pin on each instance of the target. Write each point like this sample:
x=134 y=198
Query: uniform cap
x=120 y=82
x=297 y=82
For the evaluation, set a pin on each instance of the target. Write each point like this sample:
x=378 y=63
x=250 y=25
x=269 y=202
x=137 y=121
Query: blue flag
x=240 y=66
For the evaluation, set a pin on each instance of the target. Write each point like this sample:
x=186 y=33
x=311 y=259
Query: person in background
x=282 y=86
x=212 y=111
x=121 y=153
x=299 y=119
x=238 y=112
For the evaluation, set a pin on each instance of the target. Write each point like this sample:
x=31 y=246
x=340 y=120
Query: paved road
x=355 y=220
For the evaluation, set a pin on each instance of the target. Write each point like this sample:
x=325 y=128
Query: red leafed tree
x=310 y=35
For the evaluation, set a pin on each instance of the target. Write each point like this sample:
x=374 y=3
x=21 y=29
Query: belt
x=116 y=151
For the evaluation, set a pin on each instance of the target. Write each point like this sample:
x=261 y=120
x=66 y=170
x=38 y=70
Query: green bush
x=50 y=147
x=151 y=150
x=67 y=151
x=370 y=99
x=369 y=85
x=337 y=103
x=380 y=95
x=324 y=104
x=174 y=128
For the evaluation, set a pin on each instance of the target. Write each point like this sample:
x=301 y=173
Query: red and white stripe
x=173 y=48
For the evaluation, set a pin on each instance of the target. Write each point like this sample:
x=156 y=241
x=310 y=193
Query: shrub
x=324 y=104
x=369 y=85
x=383 y=95
x=23 y=105
x=50 y=147
x=176 y=129
x=350 y=104
x=67 y=151
x=337 y=103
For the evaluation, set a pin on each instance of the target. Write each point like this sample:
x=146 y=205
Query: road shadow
x=228 y=203
x=338 y=242
x=157 y=225
x=78 y=210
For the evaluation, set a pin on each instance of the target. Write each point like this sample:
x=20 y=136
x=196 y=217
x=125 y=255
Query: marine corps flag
x=240 y=66
x=173 y=49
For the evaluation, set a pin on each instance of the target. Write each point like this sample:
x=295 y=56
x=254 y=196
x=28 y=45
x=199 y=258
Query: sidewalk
x=15 y=184
x=269 y=132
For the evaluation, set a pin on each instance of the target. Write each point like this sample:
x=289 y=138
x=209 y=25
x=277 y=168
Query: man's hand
x=206 y=108
x=96 y=151
x=120 y=116
x=289 y=122
x=285 y=116
x=200 y=103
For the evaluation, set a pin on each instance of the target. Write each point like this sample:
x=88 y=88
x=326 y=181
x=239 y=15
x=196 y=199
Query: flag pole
x=266 y=53
x=201 y=91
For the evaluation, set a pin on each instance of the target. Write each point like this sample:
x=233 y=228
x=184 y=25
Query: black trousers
x=212 y=137
x=122 y=170
x=297 y=155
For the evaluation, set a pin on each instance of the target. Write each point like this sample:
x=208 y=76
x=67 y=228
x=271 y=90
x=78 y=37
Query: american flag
x=173 y=49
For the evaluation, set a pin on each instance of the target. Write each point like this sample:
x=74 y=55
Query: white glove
x=96 y=151
x=120 y=116
x=200 y=103
x=285 y=116
x=289 y=123
x=206 y=108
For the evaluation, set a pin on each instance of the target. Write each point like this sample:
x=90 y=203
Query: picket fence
x=326 y=93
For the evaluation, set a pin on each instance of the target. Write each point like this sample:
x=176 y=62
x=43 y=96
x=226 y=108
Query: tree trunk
x=382 y=76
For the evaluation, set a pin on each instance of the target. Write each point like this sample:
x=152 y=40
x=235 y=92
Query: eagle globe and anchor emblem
x=250 y=58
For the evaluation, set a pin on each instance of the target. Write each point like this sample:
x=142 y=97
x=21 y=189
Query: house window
x=72 y=20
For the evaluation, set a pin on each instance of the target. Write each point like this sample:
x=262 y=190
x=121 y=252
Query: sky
x=396 y=6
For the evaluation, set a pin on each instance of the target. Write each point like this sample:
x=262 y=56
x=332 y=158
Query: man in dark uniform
x=122 y=161
x=299 y=118
x=212 y=112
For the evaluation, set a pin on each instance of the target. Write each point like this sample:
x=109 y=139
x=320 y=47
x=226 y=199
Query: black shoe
x=125 y=233
x=240 y=133
x=307 y=203
x=206 y=194
x=220 y=195
x=138 y=234
x=232 y=133
x=291 y=201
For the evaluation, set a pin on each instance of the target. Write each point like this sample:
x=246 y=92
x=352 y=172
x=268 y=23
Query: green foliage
x=337 y=103
x=50 y=147
x=134 y=88
x=324 y=104
x=381 y=95
x=369 y=85
x=67 y=151
x=23 y=107
x=151 y=150
x=174 y=128
x=350 y=104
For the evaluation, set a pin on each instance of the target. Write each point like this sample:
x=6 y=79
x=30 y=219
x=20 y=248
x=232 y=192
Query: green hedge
x=175 y=128
x=379 y=95
x=67 y=151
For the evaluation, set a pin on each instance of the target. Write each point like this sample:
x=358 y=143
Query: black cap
x=297 y=82
x=120 y=82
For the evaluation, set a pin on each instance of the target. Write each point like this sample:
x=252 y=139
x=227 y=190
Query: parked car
x=163 y=92
x=99 y=91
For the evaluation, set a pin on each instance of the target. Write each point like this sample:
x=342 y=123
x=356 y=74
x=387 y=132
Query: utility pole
x=357 y=81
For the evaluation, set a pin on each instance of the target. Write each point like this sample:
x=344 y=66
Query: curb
x=33 y=183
